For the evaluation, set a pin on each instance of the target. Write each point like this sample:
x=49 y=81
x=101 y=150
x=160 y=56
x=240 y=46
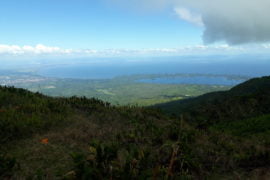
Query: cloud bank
x=31 y=50
x=41 y=51
x=232 y=21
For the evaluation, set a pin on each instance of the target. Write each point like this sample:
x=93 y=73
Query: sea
x=249 y=66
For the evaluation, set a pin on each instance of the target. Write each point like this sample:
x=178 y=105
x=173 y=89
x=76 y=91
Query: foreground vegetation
x=223 y=135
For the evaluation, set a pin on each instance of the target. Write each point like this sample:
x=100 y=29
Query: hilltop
x=249 y=99
x=221 y=135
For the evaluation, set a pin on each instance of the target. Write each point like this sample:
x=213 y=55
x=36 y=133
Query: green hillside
x=249 y=99
x=223 y=135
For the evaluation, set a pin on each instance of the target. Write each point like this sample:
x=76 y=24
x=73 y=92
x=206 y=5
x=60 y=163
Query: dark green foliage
x=23 y=113
x=221 y=135
x=249 y=99
x=7 y=165
x=136 y=154
x=247 y=127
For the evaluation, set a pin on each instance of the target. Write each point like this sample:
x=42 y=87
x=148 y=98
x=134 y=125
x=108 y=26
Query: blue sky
x=91 y=24
x=91 y=27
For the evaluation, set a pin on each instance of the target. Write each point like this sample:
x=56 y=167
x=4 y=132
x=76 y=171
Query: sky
x=134 y=27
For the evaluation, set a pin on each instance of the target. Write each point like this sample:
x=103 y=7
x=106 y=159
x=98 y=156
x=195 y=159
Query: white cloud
x=189 y=16
x=50 y=51
x=266 y=46
x=38 y=49
x=232 y=21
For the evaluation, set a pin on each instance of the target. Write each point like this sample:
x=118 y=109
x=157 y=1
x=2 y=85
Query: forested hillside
x=249 y=99
x=223 y=135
